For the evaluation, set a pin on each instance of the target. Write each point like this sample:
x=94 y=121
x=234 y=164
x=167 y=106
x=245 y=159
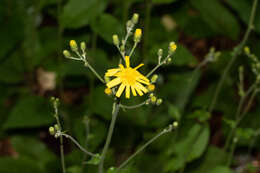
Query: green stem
x=239 y=118
x=95 y=72
x=133 y=106
x=157 y=66
x=236 y=52
x=133 y=48
x=61 y=140
x=148 y=10
x=77 y=144
x=142 y=148
x=109 y=136
x=230 y=158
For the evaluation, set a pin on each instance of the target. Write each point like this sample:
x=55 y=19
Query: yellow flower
x=108 y=91
x=151 y=87
x=129 y=78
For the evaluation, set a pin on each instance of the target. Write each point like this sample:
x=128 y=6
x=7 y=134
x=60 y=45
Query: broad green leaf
x=218 y=17
x=189 y=148
x=105 y=26
x=30 y=111
x=78 y=13
x=213 y=157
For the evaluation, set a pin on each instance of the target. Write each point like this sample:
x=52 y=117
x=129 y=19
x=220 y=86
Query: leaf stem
x=133 y=106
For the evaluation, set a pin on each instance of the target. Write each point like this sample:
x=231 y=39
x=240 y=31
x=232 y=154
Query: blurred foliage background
x=33 y=34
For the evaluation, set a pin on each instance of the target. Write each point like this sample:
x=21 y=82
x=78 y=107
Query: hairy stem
x=133 y=106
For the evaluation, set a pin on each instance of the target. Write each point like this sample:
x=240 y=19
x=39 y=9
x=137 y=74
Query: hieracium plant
x=125 y=80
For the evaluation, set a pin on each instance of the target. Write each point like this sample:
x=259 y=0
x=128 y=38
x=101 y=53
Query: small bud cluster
x=55 y=131
x=81 y=54
x=213 y=55
x=255 y=66
x=154 y=100
x=171 y=50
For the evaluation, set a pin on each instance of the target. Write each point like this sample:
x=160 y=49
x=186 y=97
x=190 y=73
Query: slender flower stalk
x=167 y=130
x=133 y=106
x=236 y=53
x=77 y=144
x=109 y=136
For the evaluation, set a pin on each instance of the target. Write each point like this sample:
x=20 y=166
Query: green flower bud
x=160 y=52
x=135 y=18
x=175 y=124
x=66 y=53
x=129 y=24
x=153 y=99
x=56 y=126
x=115 y=40
x=52 y=131
x=169 y=60
x=159 y=101
x=154 y=78
x=247 y=50
x=83 y=46
x=122 y=48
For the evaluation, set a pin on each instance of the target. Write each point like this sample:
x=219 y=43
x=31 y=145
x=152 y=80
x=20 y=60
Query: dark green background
x=33 y=34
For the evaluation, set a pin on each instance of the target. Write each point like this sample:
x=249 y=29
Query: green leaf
x=201 y=115
x=191 y=147
x=78 y=13
x=174 y=112
x=30 y=111
x=10 y=165
x=218 y=17
x=163 y=1
x=105 y=26
x=222 y=169
x=94 y=160
x=213 y=157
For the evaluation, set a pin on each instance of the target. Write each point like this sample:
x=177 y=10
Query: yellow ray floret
x=128 y=79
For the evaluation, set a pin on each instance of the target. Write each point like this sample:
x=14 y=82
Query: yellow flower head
x=128 y=78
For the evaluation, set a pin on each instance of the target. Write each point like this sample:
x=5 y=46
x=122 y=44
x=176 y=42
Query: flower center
x=129 y=76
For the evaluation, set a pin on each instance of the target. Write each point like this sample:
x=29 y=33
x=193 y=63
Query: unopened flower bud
x=73 y=45
x=135 y=18
x=172 y=47
x=115 y=40
x=151 y=87
x=137 y=35
x=51 y=130
x=247 y=50
x=129 y=24
x=107 y=79
x=122 y=48
x=159 y=101
x=66 y=53
x=169 y=60
x=108 y=91
x=160 y=52
x=153 y=99
x=175 y=124
x=56 y=127
x=83 y=46
x=154 y=78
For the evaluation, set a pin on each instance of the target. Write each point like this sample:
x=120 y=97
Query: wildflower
x=51 y=130
x=153 y=99
x=154 y=78
x=128 y=77
x=83 y=46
